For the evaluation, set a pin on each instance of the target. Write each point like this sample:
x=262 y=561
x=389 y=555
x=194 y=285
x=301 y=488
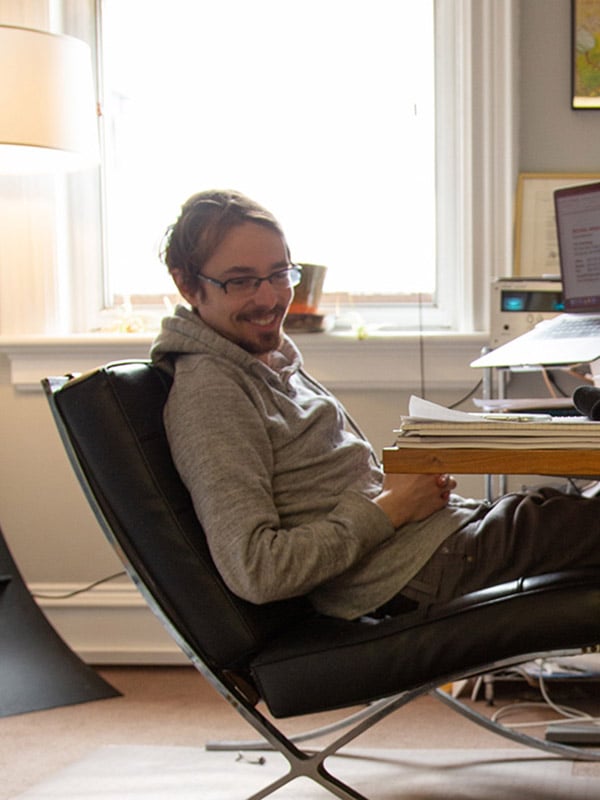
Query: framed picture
x=536 y=246
x=586 y=53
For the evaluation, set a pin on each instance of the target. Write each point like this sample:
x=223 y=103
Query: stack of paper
x=431 y=425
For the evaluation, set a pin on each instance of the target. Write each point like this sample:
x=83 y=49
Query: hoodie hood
x=185 y=333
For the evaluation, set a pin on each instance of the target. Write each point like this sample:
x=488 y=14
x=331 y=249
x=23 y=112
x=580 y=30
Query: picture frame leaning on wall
x=536 y=245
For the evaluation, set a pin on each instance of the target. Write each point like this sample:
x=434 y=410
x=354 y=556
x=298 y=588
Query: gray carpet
x=183 y=773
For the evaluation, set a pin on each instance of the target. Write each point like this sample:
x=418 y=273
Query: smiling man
x=290 y=494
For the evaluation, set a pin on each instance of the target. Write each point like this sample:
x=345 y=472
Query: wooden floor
x=175 y=706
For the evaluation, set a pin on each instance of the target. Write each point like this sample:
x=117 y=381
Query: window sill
x=383 y=361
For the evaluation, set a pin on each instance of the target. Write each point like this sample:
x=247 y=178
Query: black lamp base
x=37 y=669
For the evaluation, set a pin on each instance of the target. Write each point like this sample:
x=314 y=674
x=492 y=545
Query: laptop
x=571 y=337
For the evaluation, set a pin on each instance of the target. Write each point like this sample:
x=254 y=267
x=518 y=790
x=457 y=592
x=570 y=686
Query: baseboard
x=108 y=624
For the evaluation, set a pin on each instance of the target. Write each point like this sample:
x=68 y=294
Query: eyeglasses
x=248 y=284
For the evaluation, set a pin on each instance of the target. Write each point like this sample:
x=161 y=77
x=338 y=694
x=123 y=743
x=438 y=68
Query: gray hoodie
x=281 y=480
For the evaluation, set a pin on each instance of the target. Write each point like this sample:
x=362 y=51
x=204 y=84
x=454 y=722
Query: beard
x=266 y=343
x=263 y=342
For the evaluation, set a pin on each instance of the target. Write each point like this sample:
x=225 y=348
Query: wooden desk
x=574 y=463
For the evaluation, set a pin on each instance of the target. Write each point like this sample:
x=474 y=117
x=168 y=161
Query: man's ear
x=191 y=296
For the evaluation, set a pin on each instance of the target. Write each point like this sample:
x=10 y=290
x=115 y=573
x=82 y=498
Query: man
x=289 y=493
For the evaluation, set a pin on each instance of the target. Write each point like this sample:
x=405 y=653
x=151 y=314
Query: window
x=476 y=44
x=323 y=110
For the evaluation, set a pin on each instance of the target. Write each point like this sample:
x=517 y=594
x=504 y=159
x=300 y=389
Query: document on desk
x=431 y=425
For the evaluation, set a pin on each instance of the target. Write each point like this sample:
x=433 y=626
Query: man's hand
x=409 y=498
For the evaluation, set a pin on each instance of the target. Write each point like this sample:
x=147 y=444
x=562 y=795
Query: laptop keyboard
x=572 y=327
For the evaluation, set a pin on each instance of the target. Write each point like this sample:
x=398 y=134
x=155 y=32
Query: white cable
x=568 y=714
x=573 y=713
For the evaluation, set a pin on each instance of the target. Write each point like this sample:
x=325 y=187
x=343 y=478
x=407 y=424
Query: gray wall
x=552 y=136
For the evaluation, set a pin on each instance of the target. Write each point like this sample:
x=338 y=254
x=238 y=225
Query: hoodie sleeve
x=223 y=452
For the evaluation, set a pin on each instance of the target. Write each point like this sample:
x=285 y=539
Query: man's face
x=253 y=322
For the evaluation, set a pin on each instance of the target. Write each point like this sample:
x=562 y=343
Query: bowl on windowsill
x=303 y=315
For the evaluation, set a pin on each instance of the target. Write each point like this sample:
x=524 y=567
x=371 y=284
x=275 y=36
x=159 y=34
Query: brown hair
x=203 y=223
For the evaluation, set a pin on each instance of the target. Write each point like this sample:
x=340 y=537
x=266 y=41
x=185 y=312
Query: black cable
x=79 y=591
x=469 y=394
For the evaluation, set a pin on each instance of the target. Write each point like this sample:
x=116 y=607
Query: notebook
x=573 y=336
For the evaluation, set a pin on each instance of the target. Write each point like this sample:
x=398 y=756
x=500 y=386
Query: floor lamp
x=48 y=123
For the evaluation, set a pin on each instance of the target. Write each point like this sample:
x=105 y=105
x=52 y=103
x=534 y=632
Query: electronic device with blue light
x=519 y=304
x=572 y=336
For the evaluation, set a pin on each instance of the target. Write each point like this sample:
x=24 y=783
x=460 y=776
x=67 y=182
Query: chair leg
x=310 y=766
x=301 y=763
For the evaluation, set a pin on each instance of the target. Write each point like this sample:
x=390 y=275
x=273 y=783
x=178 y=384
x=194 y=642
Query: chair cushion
x=306 y=669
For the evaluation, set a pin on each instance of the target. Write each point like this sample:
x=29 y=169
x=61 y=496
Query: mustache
x=260 y=311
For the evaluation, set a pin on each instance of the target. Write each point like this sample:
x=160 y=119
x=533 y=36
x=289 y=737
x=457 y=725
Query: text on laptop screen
x=578 y=230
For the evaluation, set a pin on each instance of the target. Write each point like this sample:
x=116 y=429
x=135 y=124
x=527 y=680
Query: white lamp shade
x=48 y=118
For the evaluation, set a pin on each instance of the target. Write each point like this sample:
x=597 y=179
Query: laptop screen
x=577 y=211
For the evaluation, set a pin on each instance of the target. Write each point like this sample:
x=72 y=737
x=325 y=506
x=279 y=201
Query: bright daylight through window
x=322 y=110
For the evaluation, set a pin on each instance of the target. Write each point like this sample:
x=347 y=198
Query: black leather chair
x=283 y=655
